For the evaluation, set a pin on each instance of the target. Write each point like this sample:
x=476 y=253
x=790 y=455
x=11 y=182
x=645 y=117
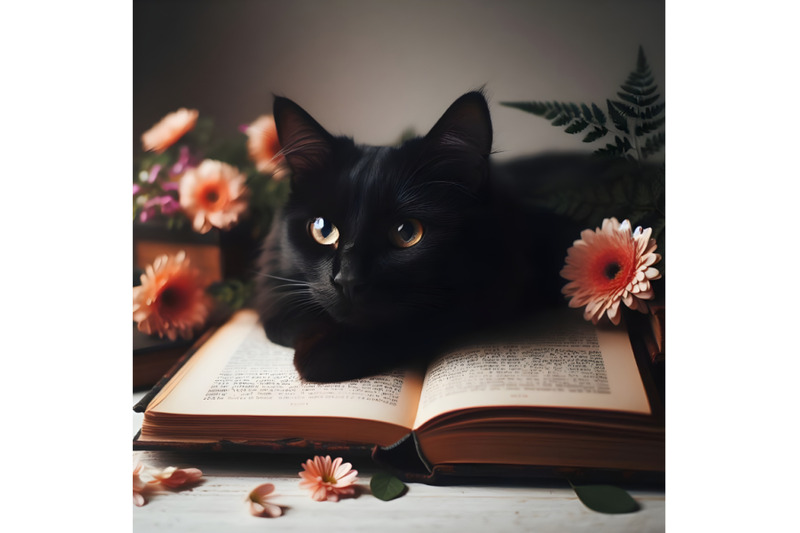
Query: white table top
x=217 y=504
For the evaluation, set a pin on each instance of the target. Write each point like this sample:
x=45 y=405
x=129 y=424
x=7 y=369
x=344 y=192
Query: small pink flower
x=139 y=486
x=264 y=147
x=259 y=506
x=328 y=480
x=175 y=478
x=169 y=129
x=213 y=195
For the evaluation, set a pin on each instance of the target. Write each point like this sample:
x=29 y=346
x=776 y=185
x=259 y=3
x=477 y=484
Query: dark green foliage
x=635 y=114
x=231 y=293
x=606 y=499
x=385 y=486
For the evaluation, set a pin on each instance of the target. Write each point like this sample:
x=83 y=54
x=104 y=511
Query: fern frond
x=599 y=115
x=577 y=126
x=653 y=144
x=619 y=148
x=649 y=126
x=617 y=118
x=596 y=133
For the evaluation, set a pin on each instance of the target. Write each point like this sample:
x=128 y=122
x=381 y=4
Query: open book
x=567 y=395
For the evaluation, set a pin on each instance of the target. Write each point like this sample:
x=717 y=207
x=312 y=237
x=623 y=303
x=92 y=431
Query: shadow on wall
x=373 y=69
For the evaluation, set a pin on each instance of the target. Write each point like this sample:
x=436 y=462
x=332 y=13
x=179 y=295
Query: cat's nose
x=349 y=286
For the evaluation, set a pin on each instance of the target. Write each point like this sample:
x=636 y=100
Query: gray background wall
x=371 y=69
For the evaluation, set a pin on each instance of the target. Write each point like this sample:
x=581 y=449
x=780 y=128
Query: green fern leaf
x=595 y=134
x=643 y=102
x=561 y=119
x=652 y=112
x=653 y=144
x=649 y=126
x=643 y=90
x=635 y=100
x=617 y=118
x=551 y=114
x=625 y=109
x=577 y=126
x=599 y=115
x=587 y=113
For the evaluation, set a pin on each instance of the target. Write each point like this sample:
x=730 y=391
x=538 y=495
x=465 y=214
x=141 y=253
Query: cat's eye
x=406 y=233
x=323 y=232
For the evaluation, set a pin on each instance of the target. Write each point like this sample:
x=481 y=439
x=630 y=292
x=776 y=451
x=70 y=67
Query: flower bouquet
x=200 y=207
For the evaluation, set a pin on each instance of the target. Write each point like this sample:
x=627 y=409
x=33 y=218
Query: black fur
x=365 y=305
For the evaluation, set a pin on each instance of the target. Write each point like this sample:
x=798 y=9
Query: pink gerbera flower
x=264 y=147
x=169 y=129
x=608 y=266
x=213 y=195
x=171 y=300
x=259 y=506
x=328 y=480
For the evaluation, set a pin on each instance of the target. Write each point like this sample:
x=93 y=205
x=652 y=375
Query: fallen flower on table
x=328 y=480
x=175 y=478
x=609 y=266
x=139 y=486
x=259 y=506
x=147 y=479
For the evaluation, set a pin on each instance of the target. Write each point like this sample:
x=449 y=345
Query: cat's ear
x=466 y=125
x=304 y=143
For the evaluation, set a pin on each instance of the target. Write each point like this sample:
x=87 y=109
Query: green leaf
x=577 y=127
x=606 y=498
x=595 y=134
x=616 y=117
x=561 y=120
x=385 y=486
x=599 y=115
x=639 y=91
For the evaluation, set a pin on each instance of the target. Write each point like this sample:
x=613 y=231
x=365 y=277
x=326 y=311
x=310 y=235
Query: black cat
x=383 y=254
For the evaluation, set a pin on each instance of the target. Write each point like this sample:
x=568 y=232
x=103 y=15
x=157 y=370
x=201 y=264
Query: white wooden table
x=217 y=504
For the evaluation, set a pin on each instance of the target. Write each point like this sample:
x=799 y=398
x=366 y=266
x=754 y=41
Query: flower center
x=329 y=478
x=170 y=298
x=212 y=196
x=611 y=270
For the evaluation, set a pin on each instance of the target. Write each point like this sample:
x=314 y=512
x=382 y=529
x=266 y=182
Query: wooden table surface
x=217 y=504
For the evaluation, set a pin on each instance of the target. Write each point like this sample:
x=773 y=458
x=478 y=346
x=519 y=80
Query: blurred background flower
x=171 y=300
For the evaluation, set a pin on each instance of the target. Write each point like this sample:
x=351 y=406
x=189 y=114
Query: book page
x=563 y=362
x=240 y=372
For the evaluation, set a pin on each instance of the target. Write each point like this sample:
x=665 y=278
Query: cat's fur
x=365 y=305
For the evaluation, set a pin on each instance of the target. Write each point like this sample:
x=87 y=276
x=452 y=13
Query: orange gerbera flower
x=328 y=480
x=171 y=300
x=169 y=129
x=213 y=194
x=609 y=266
x=264 y=147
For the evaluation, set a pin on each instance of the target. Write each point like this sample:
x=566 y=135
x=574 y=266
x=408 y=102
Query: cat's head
x=384 y=234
